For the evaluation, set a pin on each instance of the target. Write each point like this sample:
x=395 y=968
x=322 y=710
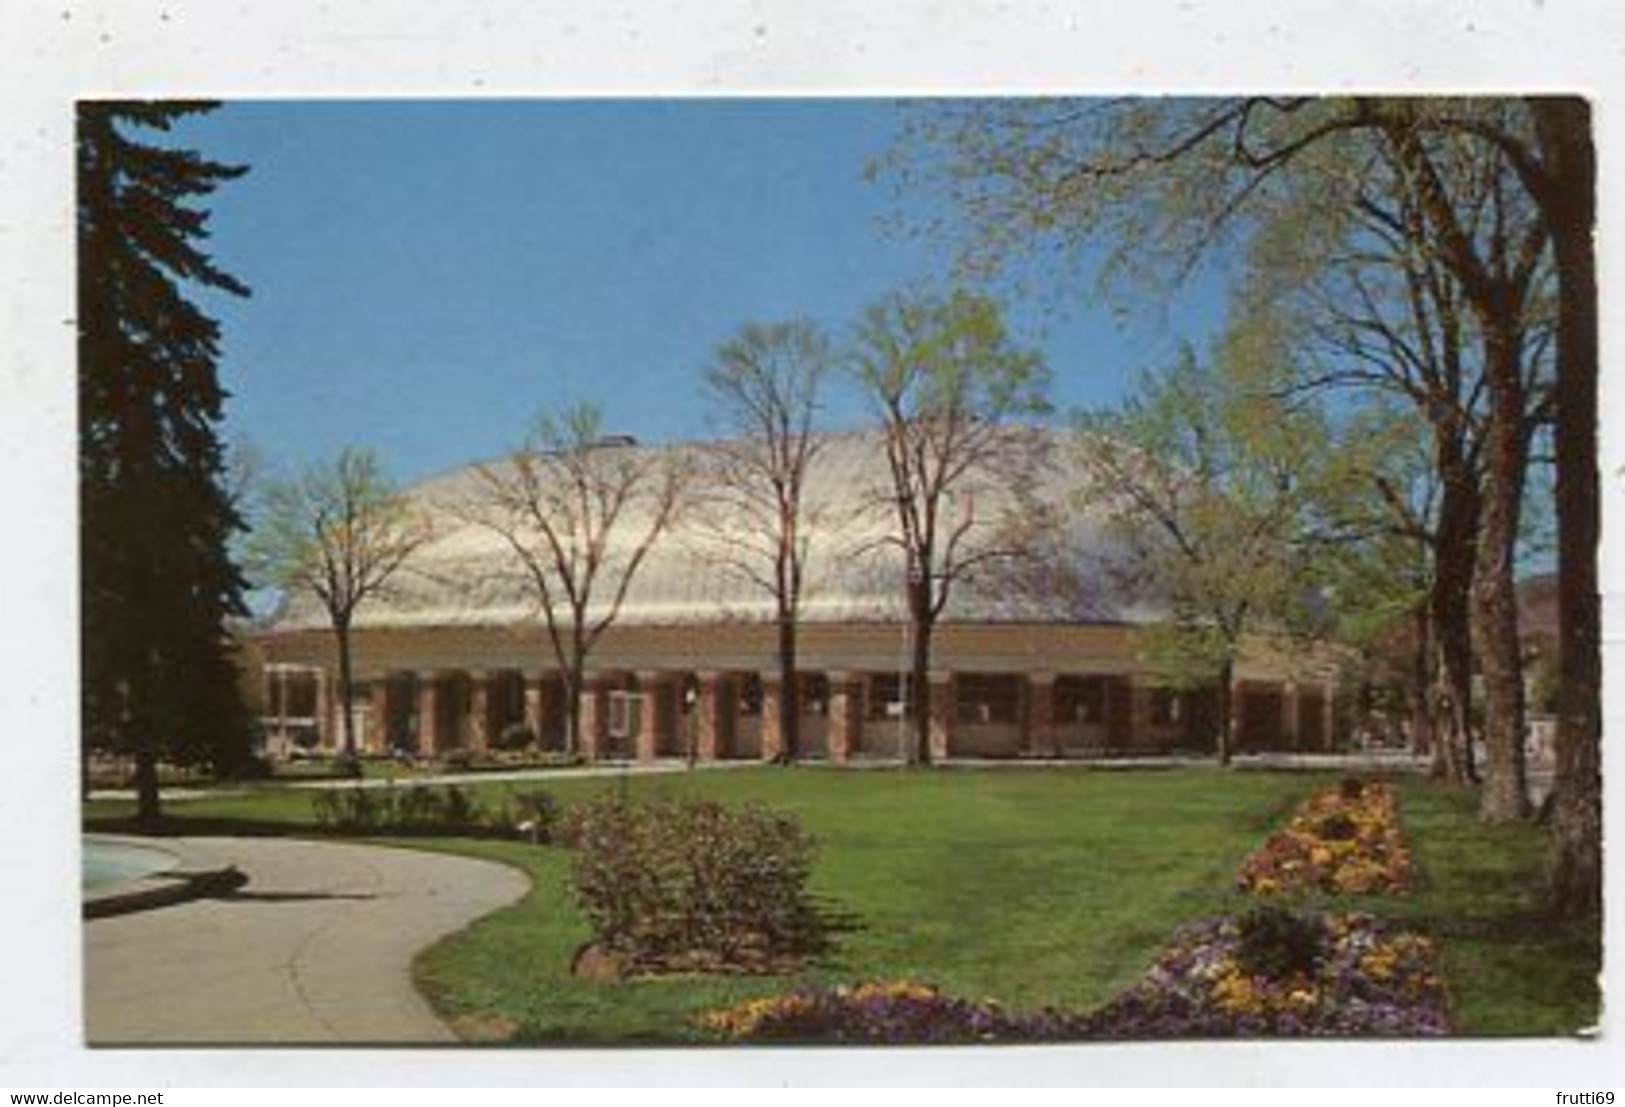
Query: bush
x=1351 y=787
x=532 y=814
x=1277 y=944
x=352 y=810
x=458 y=760
x=390 y=810
x=252 y=767
x=1338 y=827
x=688 y=885
x=515 y=737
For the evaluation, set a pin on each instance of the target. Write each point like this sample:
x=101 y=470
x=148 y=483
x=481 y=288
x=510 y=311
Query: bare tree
x=947 y=383
x=579 y=513
x=756 y=519
x=340 y=532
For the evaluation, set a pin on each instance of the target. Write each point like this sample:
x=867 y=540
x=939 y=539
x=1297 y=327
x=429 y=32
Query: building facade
x=457 y=654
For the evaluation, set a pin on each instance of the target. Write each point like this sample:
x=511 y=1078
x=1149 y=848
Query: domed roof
x=468 y=575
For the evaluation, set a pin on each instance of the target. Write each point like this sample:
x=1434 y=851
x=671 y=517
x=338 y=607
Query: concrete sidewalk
x=317 y=947
x=600 y=769
x=1372 y=761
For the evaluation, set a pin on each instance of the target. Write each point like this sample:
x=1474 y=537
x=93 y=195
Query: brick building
x=1024 y=664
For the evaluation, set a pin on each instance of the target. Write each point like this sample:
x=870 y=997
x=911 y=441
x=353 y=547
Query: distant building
x=1538 y=635
x=1026 y=664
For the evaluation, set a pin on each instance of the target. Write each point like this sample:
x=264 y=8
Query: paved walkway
x=492 y=776
x=317 y=947
x=1373 y=761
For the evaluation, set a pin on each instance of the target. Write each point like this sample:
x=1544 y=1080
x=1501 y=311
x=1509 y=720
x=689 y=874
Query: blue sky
x=429 y=275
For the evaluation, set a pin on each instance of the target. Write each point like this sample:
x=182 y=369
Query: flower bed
x=892 y=1013
x=1366 y=979
x=1344 y=840
x=1358 y=978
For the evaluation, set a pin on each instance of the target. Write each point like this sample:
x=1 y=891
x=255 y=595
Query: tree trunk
x=790 y=685
x=1227 y=711
x=1423 y=731
x=574 y=674
x=1505 y=797
x=144 y=745
x=146 y=785
x=1450 y=609
x=1574 y=870
x=919 y=680
x=341 y=630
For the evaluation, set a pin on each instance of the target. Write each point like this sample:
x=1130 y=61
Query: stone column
x=845 y=715
x=326 y=737
x=1238 y=739
x=1139 y=712
x=479 y=711
x=1040 y=737
x=941 y=715
x=594 y=718
x=533 y=704
x=772 y=733
x=1291 y=736
x=378 y=739
x=716 y=708
x=547 y=708
x=656 y=720
x=428 y=714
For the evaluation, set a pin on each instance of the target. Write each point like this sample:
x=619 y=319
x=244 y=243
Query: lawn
x=1035 y=887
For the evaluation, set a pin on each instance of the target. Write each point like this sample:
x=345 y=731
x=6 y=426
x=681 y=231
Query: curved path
x=316 y=947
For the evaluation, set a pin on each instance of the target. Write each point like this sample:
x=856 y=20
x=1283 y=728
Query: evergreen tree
x=157 y=584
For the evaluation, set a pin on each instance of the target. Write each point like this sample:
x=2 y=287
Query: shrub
x=1338 y=827
x=684 y=885
x=532 y=814
x=1277 y=944
x=390 y=810
x=252 y=767
x=456 y=759
x=352 y=810
x=515 y=737
x=1351 y=787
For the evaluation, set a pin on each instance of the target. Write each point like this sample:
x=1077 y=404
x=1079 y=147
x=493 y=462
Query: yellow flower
x=1237 y=995
x=1378 y=965
x=1303 y=997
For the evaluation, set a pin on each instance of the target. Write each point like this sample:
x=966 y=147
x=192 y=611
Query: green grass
x=1511 y=970
x=1040 y=887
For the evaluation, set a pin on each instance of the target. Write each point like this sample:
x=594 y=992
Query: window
x=750 y=695
x=1080 y=699
x=987 y=698
x=623 y=713
x=885 y=700
x=814 y=689
x=1165 y=707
